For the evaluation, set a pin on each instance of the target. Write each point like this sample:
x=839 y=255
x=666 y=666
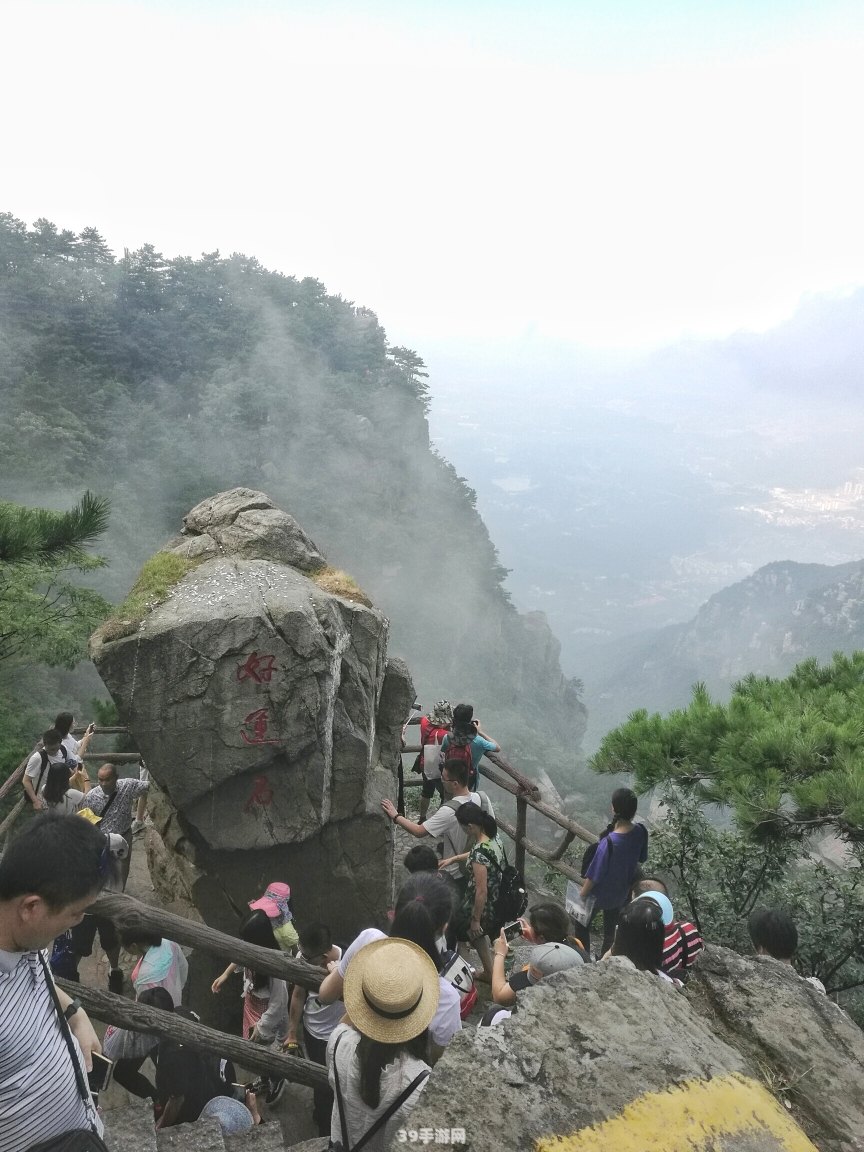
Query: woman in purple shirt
x=610 y=875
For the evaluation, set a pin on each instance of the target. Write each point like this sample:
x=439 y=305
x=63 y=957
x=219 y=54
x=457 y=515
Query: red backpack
x=459 y=748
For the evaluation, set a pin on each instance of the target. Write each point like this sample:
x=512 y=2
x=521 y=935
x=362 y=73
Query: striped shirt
x=680 y=948
x=39 y=1095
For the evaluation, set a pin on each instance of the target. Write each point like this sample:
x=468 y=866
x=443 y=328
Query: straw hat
x=391 y=990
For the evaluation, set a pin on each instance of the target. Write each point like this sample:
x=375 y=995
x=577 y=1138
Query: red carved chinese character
x=256 y=723
x=257 y=668
x=261 y=795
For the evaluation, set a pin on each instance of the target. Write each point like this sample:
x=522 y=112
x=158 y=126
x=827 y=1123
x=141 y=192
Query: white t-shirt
x=359 y=1118
x=71 y=745
x=70 y=803
x=447 y=1020
x=319 y=1019
x=442 y=825
x=34 y=765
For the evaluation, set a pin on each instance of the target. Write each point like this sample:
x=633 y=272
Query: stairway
x=130 y=1129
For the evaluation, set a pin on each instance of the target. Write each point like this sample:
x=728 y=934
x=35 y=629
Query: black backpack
x=43 y=768
x=512 y=896
x=591 y=851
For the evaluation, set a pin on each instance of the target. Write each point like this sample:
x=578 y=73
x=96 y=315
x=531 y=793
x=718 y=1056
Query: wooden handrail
x=16 y=778
x=12 y=816
x=539 y=806
x=129 y=914
x=549 y=858
x=123 y=1013
x=100 y=731
x=112 y=757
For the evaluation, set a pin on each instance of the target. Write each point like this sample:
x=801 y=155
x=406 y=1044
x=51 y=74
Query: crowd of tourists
x=389 y=1002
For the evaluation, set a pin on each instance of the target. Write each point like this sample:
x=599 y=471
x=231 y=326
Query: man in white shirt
x=442 y=824
x=36 y=772
x=48 y=876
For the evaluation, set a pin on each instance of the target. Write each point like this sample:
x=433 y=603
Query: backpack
x=64 y=961
x=43 y=768
x=459 y=748
x=512 y=896
x=591 y=851
x=459 y=973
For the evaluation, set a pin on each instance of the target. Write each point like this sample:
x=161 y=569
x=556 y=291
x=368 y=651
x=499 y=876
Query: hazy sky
x=614 y=173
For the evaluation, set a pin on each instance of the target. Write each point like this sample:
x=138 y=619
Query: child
x=319 y=1020
x=276 y=905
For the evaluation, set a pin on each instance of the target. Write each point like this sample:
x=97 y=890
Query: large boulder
x=608 y=1057
x=270 y=716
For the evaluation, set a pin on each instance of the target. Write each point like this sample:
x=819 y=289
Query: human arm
x=85 y=740
x=494 y=746
x=460 y=859
x=502 y=993
x=481 y=878
x=331 y=986
x=31 y=775
x=295 y=1015
x=216 y=986
x=403 y=821
x=81 y=1029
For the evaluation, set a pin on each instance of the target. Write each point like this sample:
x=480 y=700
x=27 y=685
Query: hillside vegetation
x=156 y=382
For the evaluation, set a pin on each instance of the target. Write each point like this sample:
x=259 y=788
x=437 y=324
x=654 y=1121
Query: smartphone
x=100 y=1077
x=512 y=930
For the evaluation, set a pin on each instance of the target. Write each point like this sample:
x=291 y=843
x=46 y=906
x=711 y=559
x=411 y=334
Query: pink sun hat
x=274 y=902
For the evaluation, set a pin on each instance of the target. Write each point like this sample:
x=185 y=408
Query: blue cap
x=664 y=902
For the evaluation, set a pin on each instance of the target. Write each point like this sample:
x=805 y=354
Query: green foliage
x=155 y=581
x=45 y=616
x=719 y=876
x=787 y=756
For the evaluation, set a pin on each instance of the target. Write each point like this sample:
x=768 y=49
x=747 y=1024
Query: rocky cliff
x=270 y=715
x=748 y=1058
x=782 y=614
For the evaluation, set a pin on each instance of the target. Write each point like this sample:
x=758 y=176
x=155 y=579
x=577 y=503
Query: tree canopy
x=786 y=756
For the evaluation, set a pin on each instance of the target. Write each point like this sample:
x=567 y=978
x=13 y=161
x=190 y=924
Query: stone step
x=264 y=1138
x=202 y=1136
x=318 y=1144
x=130 y=1127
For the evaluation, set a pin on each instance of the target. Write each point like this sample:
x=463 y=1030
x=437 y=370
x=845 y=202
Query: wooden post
x=123 y=1013
x=521 y=830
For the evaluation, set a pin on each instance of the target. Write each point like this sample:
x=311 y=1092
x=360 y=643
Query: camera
x=512 y=930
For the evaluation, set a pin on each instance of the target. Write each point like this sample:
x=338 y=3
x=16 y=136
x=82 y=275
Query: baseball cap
x=664 y=902
x=554 y=957
x=274 y=902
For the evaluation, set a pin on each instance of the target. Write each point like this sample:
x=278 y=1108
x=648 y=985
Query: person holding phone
x=545 y=923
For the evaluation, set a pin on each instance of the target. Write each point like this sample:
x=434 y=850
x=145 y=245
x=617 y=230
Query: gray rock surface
x=130 y=1127
x=778 y=1021
x=270 y=717
x=202 y=1136
x=586 y=1047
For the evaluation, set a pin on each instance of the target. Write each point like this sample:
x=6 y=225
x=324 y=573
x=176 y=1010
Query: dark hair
x=473 y=814
x=60 y=858
x=640 y=935
x=624 y=803
x=143 y=937
x=463 y=717
x=550 y=921
x=373 y=1057
x=56 y=783
x=157 y=997
x=52 y=736
x=648 y=884
x=420 y=858
x=424 y=906
x=315 y=939
x=257 y=929
x=457 y=770
x=113 y=768
x=774 y=931
x=63 y=723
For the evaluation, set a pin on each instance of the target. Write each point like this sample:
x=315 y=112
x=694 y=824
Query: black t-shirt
x=519 y=980
x=181 y=1071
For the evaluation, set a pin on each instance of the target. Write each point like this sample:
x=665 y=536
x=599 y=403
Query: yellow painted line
x=688 y=1118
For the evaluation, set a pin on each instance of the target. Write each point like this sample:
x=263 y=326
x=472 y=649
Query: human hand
x=389 y=808
x=39 y=804
x=84 y=1033
x=216 y=986
x=443 y=863
x=91 y=728
x=501 y=946
x=332 y=965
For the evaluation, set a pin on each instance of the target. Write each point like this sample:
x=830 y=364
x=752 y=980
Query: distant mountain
x=782 y=614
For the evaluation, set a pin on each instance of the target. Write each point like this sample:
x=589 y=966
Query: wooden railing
x=527 y=795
